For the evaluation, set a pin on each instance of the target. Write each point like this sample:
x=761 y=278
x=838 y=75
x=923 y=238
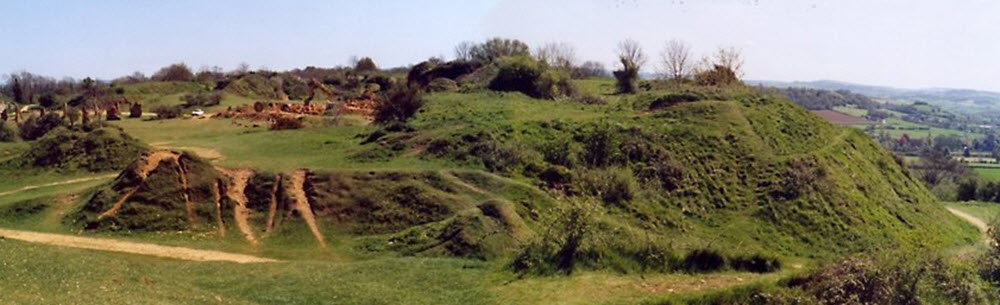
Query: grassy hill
x=482 y=185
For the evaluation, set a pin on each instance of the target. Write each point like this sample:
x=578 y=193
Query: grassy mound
x=98 y=150
x=255 y=86
x=154 y=200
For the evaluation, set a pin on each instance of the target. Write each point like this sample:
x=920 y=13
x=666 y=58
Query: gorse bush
x=716 y=76
x=7 y=132
x=612 y=186
x=531 y=77
x=165 y=112
x=36 y=127
x=402 y=103
x=628 y=77
x=286 y=122
x=202 y=99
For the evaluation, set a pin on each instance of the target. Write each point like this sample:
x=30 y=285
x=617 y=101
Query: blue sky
x=898 y=43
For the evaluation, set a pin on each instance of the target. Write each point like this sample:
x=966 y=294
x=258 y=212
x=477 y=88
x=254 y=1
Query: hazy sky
x=911 y=43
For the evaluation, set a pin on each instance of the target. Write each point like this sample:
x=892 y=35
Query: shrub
x=627 y=79
x=286 y=122
x=174 y=72
x=561 y=151
x=703 y=260
x=202 y=99
x=164 y=112
x=7 y=132
x=717 y=76
x=496 y=48
x=601 y=145
x=365 y=64
x=442 y=84
x=36 y=127
x=674 y=98
x=590 y=69
x=401 y=105
x=613 y=186
x=562 y=247
x=590 y=99
x=758 y=263
x=531 y=77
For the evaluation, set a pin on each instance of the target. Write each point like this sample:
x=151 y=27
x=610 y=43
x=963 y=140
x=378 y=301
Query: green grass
x=988 y=173
x=852 y=110
x=987 y=211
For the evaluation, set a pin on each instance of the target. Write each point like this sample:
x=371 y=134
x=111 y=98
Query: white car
x=198 y=112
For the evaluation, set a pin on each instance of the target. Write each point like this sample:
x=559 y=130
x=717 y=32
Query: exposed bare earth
x=302 y=204
x=130 y=247
x=238 y=184
x=841 y=118
x=975 y=221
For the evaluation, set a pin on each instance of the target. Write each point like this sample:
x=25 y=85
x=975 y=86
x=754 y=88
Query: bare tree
x=560 y=55
x=730 y=58
x=676 y=60
x=630 y=50
x=463 y=51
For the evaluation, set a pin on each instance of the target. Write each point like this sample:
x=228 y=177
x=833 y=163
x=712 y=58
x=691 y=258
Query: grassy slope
x=858 y=204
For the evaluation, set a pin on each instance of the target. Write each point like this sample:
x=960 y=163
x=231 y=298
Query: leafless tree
x=560 y=55
x=676 y=60
x=629 y=50
x=730 y=58
x=463 y=51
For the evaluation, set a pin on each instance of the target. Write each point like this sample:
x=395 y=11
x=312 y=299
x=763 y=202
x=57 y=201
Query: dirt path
x=450 y=176
x=71 y=181
x=975 y=221
x=297 y=190
x=241 y=213
x=130 y=247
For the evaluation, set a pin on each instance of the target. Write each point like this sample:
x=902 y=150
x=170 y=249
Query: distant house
x=841 y=118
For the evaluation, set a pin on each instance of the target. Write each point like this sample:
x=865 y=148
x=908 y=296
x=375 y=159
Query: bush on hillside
x=627 y=79
x=165 y=112
x=285 y=123
x=612 y=186
x=531 y=77
x=441 y=84
x=36 y=127
x=101 y=149
x=365 y=64
x=717 y=76
x=402 y=104
x=497 y=48
x=7 y=132
x=674 y=98
x=174 y=72
x=202 y=99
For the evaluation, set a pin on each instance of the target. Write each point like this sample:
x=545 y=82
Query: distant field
x=851 y=110
x=841 y=118
x=988 y=173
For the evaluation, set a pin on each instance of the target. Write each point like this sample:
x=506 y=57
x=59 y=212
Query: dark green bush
x=613 y=186
x=627 y=79
x=757 y=262
x=36 y=127
x=562 y=247
x=531 y=77
x=402 y=104
x=703 y=260
x=442 y=84
x=202 y=99
x=164 y=112
x=717 y=76
x=7 y=132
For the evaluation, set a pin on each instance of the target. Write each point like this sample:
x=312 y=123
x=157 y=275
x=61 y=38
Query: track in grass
x=130 y=247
